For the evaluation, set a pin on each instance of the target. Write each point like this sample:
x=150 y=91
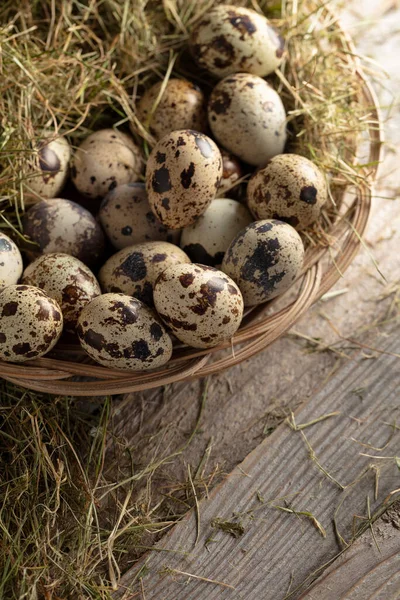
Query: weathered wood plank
x=279 y=550
x=368 y=570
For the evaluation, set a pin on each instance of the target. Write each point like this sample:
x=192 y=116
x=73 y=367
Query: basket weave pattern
x=55 y=374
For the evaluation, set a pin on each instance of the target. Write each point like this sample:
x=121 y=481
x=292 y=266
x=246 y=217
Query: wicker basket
x=79 y=376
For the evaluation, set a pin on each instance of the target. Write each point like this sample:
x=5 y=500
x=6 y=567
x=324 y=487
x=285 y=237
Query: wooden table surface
x=315 y=370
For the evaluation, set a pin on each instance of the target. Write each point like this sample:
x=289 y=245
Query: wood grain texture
x=278 y=550
x=367 y=571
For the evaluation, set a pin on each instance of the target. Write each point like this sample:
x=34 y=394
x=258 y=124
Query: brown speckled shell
x=134 y=270
x=231 y=172
x=182 y=106
x=127 y=218
x=58 y=225
x=10 y=262
x=120 y=332
x=47 y=174
x=65 y=279
x=231 y=39
x=201 y=305
x=208 y=238
x=183 y=175
x=105 y=159
x=247 y=117
x=30 y=323
x=290 y=188
x=264 y=259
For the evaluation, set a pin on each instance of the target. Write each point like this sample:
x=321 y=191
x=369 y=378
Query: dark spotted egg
x=58 y=225
x=201 y=305
x=230 y=39
x=290 y=188
x=120 y=332
x=127 y=218
x=134 y=270
x=264 y=259
x=247 y=117
x=231 y=172
x=48 y=171
x=183 y=175
x=65 y=279
x=105 y=159
x=10 y=261
x=181 y=106
x=208 y=238
x=30 y=323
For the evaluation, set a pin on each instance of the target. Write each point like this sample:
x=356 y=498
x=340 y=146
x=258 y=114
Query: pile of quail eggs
x=145 y=256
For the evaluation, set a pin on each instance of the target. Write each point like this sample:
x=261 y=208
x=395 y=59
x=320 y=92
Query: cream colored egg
x=65 y=279
x=290 y=188
x=201 y=305
x=120 y=332
x=183 y=175
x=10 y=261
x=207 y=240
x=134 y=270
x=58 y=225
x=231 y=39
x=247 y=117
x=47 y=173
x=30 y=323
x=181 y=106
x=105 y=159
x=264 y=259
x=231 y=172
x=127 y=219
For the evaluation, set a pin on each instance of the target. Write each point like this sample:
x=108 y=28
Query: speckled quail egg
x=231 y=172
x=290 y=188
x=48 y=171
x=30 y=323
x=105 y=159
x=58 y=225
x=10 y=261
x=65 y=279
x=231 y=39
x=201 y=305
x=208 y=238
x=134 y=270
x=247 y=117
x=127 y=219
x=120 y=332
x=182 y=106
x=183 y=174
x=264 y=259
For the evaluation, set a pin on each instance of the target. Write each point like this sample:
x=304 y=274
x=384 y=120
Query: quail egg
x=182 y=106
x=65 y=279
x=30 y=323
x=247 y=117
x=264 y=259
x=183 y=175
x=127 y=219
x=134 y=270
x=120 y=332
x=105 y=159
x=10 y=261
x=290 y=188
x=48 y=172
x=231 y=39
x=58 y=225
x=208 y=238
x=231 y=172
x=201 y=305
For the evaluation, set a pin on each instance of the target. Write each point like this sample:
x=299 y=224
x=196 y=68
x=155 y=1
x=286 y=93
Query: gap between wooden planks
x=281 y=552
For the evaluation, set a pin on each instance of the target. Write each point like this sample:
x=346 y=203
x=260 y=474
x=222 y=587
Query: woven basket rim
x=53 y=375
